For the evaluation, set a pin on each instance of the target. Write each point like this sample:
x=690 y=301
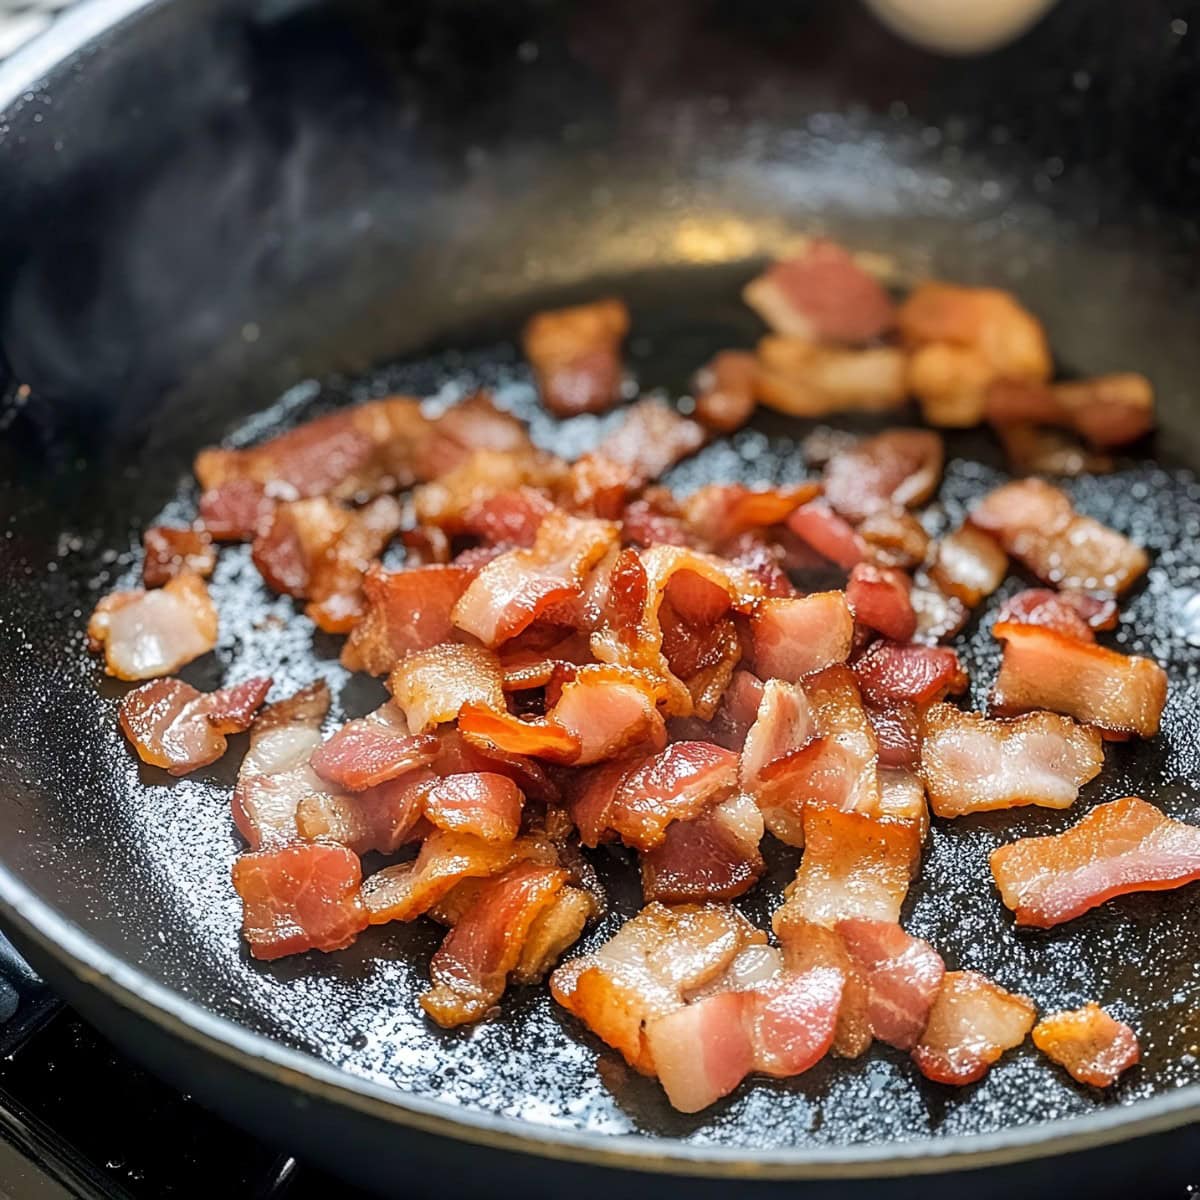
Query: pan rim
x=76 y=950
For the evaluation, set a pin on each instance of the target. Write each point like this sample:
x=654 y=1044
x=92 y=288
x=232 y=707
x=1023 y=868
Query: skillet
x=218 y=210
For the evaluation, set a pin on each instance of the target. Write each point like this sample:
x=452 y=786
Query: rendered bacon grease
x=577 y=657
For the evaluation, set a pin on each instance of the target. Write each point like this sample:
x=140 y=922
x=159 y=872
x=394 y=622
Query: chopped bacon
x=1124 y=846
x=1109 y=410
x=647 y=970
x=973 y=764
x=823 y=295
x=527 y=667
x=902 y=802
x=508 y=518
x=431 y=686
x=234 y=510
x=425 y=545
x=275 y=774
x=782 y=724
x=610 y=711
x=903 y=975
x=1121 y=693
x=1073 y=614
x=1093 y=1046
x=897 y=729
x=763 y=557
x=909 y=673
x=724 y=391
x=406 y=611
x=972 y=1023
x=720 y=511
x=172 y=725
x=373 y=749
x=458 y=756
x=818 y=526
x=484 y=804
x=498 y=730
x=654 y=519
x=299 y=898
x=596 y=486
x=171 y=552
x=147 y=634
x=714 y=856
x=896 y=468
x=1037 y=525
x=879 y=597
x=467 y=428
x=512 y=591
x=805 y=379
x=555 y=928
x=894 y=538
x=1032 y=450
x=738 y=710
x=939 y=616
x=651 y=438
x=969 y=565
x=576 y=355
x=796 y=636
x=381 y=818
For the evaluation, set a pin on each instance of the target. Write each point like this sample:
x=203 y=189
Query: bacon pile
x=575 y=657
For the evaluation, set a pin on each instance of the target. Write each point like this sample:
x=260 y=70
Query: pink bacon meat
x=373 y=749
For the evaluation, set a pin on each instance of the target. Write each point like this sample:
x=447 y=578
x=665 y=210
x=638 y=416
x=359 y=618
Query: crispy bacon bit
x=172 y=725
x=818 y=526
x=372 y=750
x=939 y=616
x=1093 y=1046
x=1109 y=410
x=1121 y=693
x=555 y=928
x=753 y=551
x=146 y=634
x=724 y=391
x=299 y=898
x=972 y=1023
x=1032 y=450
x=721 y=511
x=1037 y=525
x=1124 y=846
x=714 y=856
x=498 y=730
x=647 y=969
x=1073 y=614
x=431 y=686
x=406 y=611
x=969 y=565
x=652 y=438
x=908 y=673
x=803 y=379
x=381 y=818
x=576 y=356
x=879 y=597
x=484 y=804
x=894 y=538
x=897 y=468
x=823 y=295
x=508 y=518
x=172 y=552
x=903 y=975
x=610 y=711
x=797 y=636
x=234 y=510
x=972 y=764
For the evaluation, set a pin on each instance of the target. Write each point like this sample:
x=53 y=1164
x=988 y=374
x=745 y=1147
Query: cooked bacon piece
x=1109 y=410
x=496 y=729
x=596 y=486
x=556 y=927
x=879 y=597
x=763 y=557
x=783 y=723
x=1037 y=525
x=527 y=667
x=902 y=802
x=170 y=552
x=823 y=295
x=804 y=379
x=1094 y=1047
x=233 y=511
x=737 y=712
x=897 y=729
x=648 y=968
x=724 y=391
x=484 y=804
x=818 y=526
x=720 y=511
x=610 y=711
x=903 y=977
x=298 y=898
x=373 y=749
x=512 y=591
x=854 y=865
x=896 y=468
x=1124 y=846
x=951 y=383
x=908 y=673
x=894 y=538
x=780 y=1028
x=1031 y=450
x=576 y=355
x=714 y=856
x=275 y=774
x=146 y=634
x=381 y=818
x=508 y=518
x=1073 y=614
x=797 y=636
x=172 y=725
x=939 y=616
x=467 y=428
x=406 y=611
x=969 y=565
x=470 y=970
x=972 y=764
x=457 y=756
x=1121 y=693
x=972 y=1023
x=652 y=438
x=655 y=519
x=431 y=686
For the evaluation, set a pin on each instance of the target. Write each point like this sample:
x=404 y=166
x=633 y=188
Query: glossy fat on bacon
x=609 y=711
x=880 y=598
x=1120 y=693
x=897 y=729
x=147 y=634
x=939 y=615
x=972 y=1023
x=1073 y=614
x=783 y=723
x=482 y=803
x=648 y=969
x=298 y=898
x=805 y=379
x=381 y=818
x=496 y=730
x=725 y=391
x=821 y=294
x=555 y=929
x=908 y=673
x=721 y=511
x=1092 y=1046
x=969 y=565
x=894 y=538
x=738 y=710
x=470 y=970
x=832 y=537
x=902 y=802
x=1037 y=524
x=576 y=356
x=431 y=686
x=899 y=468
x=170 y=724
x=972 y=764
x=1124 y=846
x=793 y=637
x=373 y=749
x=171 y=552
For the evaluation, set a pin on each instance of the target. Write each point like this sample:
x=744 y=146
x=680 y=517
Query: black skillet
x=205 y=204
